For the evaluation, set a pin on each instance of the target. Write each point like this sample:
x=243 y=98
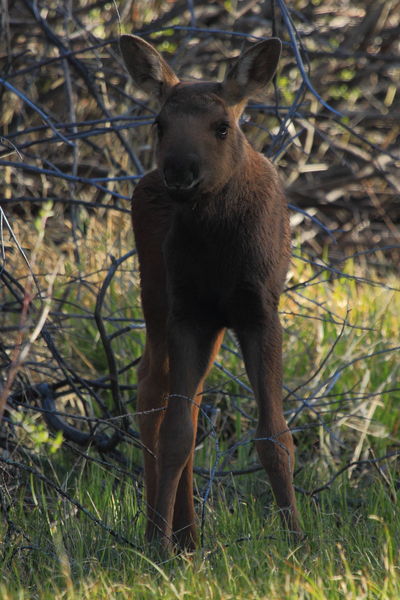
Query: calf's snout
x=181 y=172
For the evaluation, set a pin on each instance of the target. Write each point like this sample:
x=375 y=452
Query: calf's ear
x=251 y=72
x=146 y=66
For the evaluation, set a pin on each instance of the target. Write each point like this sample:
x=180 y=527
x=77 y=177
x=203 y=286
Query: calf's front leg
x=262 y=351
x=191 y=348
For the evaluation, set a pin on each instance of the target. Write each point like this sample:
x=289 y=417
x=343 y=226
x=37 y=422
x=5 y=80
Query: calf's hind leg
x=152 y=399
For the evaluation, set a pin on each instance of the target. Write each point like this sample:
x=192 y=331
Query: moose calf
x=212 y=235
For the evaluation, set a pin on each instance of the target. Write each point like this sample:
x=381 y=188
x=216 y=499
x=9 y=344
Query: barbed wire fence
x=75 y=138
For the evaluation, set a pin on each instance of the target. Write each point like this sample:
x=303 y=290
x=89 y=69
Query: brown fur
x=212 y=235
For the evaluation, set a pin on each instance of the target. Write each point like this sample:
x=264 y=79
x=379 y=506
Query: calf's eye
x=222 y=131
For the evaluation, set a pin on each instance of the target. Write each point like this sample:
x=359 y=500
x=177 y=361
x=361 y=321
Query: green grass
x=52 y=550
x=350 y=551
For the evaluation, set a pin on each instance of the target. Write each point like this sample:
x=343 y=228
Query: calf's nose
x=181 y=172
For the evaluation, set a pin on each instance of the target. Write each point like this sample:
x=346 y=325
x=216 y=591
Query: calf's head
x=199 y=139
